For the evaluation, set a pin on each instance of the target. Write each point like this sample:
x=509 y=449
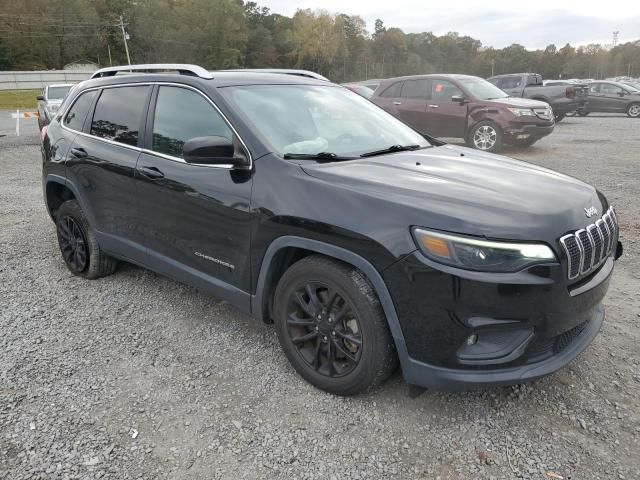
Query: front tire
x=485 y=136
x=583 y=113
x=559 y=117
x=78 y=245
x=633 y=110
x=332 y=328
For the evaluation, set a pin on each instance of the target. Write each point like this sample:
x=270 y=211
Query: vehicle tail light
x=570 y=92
x=43 y=133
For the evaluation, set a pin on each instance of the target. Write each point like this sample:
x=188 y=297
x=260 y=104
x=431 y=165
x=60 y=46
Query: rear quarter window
x=77 y=114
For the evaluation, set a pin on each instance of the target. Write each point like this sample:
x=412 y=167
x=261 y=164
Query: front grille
x=589 y=247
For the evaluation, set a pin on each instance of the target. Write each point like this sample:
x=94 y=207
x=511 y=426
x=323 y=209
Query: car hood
x=520 y=102
x=462 y=190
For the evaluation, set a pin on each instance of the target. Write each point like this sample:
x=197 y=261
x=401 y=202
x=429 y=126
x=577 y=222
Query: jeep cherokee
x=366 y=243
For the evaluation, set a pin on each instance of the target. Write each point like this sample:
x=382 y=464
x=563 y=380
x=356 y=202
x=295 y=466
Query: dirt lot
x=136 y=376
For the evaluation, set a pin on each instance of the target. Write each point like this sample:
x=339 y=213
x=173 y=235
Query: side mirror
x=458 y=99
x=40 y=97
x=621 y=94
x=213 y=150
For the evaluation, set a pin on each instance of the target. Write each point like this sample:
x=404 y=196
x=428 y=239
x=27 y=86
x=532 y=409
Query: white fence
x=38 y=79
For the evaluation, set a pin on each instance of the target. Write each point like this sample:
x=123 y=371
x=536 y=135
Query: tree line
x=218 y=34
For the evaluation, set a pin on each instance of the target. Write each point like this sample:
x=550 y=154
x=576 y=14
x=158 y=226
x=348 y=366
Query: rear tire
x=559 y=117
x=633 y=110
x=78 y=245
x=332 y=328
x=583 y=113
x=485 y=136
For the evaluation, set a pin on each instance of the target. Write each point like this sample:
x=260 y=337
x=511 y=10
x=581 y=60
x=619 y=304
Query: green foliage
x=217 y=34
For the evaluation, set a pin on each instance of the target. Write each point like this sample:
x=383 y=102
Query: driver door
x=195 y=218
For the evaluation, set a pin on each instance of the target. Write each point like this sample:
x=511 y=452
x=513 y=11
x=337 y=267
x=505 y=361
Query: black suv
x=305 y=205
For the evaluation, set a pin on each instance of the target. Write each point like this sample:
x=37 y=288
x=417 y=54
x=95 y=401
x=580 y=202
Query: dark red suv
x=465 y=107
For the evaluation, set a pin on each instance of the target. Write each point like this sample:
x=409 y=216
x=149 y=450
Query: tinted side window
x=416 y=89
x=594 y=88
x=181 y=115
x=78 y=112
x=511 y=82
x=392 y=90
x=495 y=81
x=119 y=113
x=443 y=90
x=609 y=89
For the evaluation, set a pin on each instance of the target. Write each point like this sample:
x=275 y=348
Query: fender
x=50 y=177
x=339 y=253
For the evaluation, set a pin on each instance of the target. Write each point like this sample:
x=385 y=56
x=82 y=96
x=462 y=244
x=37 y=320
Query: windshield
x=481 y=89
x=57 y=93
x=308 y=119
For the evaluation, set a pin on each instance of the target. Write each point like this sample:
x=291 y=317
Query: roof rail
x=285 y=71
x=181 y=68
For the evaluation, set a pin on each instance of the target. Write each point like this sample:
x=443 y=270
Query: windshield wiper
x=315 y=156
x=391 y=149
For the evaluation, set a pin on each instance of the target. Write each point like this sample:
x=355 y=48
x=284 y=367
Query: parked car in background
x=562 y=98
x=49 y=102
x=371 y=83
x=612 y=97
x=361 y=90
x=465 y=107
x=632 y=83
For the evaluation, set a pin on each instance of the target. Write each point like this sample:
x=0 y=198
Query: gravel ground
x=135 y=376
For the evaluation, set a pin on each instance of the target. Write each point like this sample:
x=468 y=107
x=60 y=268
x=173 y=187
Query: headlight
x=522 y=112
x=52 y=108
x=476 y=254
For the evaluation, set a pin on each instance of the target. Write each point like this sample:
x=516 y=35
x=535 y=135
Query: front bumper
x=527 y=131
x=440 y=378
x=524 y=325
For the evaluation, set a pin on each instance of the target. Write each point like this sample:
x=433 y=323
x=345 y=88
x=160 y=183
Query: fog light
x=472 y=340
x=523 y=136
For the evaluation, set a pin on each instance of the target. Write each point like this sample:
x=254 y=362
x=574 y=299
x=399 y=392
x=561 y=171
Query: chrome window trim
x=151 y=152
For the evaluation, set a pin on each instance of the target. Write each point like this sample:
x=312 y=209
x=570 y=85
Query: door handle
x=433 y=106
x=151 y=172
x=79 y=152
x=397 y=103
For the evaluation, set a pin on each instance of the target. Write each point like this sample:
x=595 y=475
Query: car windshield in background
x=481 y=89
x=308 y=119
x=58 y=93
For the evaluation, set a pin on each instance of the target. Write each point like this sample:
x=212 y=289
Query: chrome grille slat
x=588 y=248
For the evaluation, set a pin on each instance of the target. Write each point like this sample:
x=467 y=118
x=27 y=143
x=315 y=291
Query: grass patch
x=18 y=99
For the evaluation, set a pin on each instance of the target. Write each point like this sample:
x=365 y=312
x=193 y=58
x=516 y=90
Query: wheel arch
x=57 y=190
x=292 y=247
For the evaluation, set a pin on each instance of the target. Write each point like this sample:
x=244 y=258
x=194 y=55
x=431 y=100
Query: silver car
x=49 y=102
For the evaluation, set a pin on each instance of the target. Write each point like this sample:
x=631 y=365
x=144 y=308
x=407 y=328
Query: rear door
x=389 y=97
x=412 y=104
x=195 y=218
x=446 y=117
x=612 y=98
x=102 y=161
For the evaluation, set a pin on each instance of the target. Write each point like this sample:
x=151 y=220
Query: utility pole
x=493 y=64
x=109 y=50
x=124 y=39
x=615 y=37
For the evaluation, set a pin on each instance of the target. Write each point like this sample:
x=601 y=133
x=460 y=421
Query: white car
x=49 y=101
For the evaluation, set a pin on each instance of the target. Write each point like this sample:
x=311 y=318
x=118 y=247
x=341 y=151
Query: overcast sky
x=498 y=23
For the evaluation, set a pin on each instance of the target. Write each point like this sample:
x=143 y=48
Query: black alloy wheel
x=322 y=325
x=73 y=244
